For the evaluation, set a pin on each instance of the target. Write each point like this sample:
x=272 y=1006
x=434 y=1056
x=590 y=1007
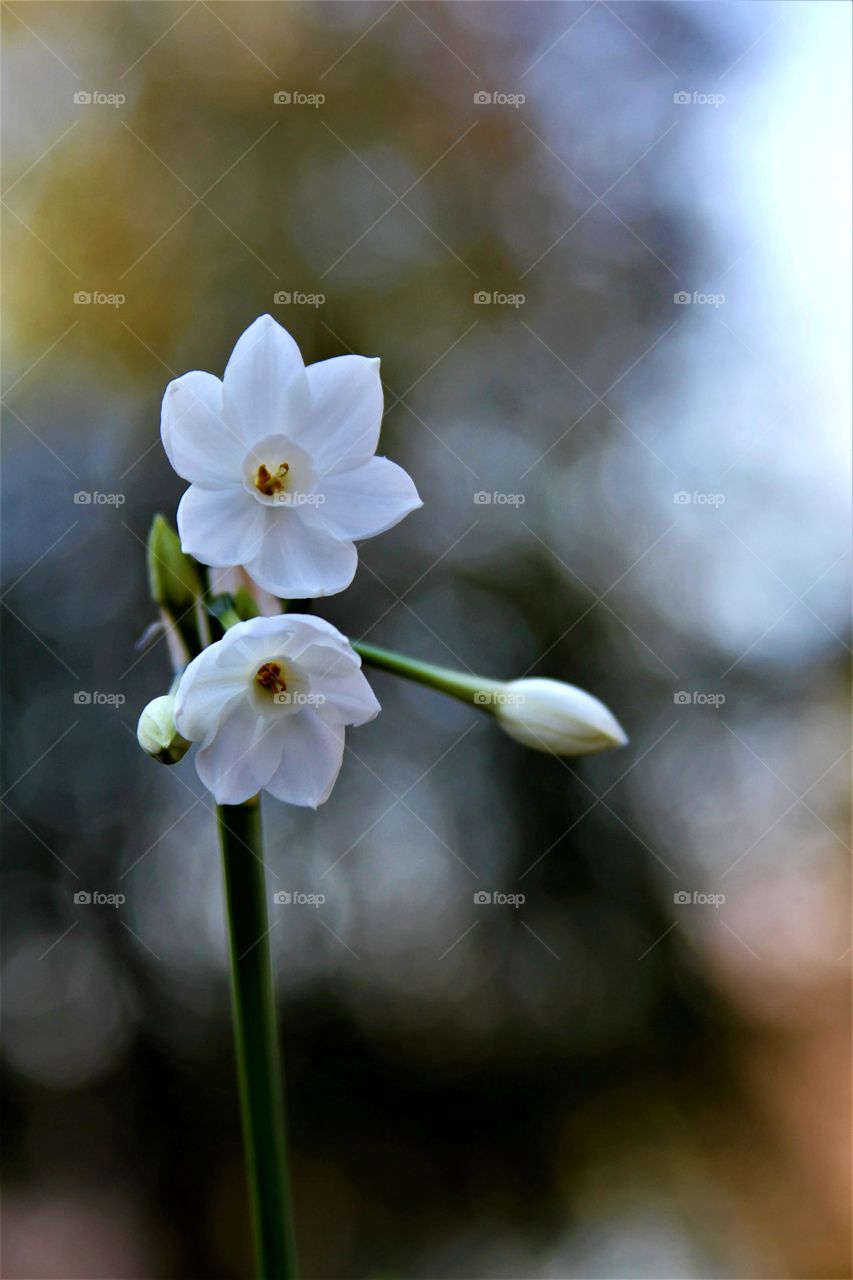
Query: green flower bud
x=157 y=734
x=174 y=576
x=176 y=586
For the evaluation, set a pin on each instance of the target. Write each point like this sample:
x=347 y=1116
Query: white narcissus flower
x=281 y=465
x=267 y=705
x=550 y=715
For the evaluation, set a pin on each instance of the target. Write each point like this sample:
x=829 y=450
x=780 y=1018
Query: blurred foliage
x=602 y=1083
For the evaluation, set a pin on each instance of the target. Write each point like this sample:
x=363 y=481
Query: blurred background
x=602 y=251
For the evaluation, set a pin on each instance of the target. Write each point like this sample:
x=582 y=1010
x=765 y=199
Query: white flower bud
x=157 y=734
x=549 y=715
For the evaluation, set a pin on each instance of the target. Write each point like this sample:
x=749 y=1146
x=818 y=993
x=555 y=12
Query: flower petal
x=199 y=443
x=319 y=648
x=208 y=689
x=221 y=527
x=346 y=411
x=265 y=387
x=367 y=499
x=297 y=559
x=243 y=756
x=322 y=658
x=311 y=759
x=347 y=700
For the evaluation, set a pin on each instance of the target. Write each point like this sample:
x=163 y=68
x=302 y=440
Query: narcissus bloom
x=268 y=704
x=281 y=465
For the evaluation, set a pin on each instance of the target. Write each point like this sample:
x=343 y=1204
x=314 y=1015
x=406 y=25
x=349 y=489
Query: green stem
x=255 y=1031
x=468 y=688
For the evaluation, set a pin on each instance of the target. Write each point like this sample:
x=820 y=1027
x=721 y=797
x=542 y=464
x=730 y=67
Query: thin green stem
x=255 y=1031
x=459 y=684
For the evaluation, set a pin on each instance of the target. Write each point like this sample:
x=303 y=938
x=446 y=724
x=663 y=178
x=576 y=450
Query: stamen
x=270 y=483
x=269 y=677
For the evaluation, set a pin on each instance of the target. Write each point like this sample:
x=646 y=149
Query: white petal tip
x=616 y=736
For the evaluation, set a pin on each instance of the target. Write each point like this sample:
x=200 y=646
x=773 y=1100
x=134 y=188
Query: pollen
x=269 y=483
x=269 y=676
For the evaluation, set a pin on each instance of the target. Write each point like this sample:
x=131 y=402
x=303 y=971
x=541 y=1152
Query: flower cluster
x=283 y=479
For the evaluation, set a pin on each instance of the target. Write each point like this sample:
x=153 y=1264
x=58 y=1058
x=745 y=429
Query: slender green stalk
x=458 y=684
x=255 y=1031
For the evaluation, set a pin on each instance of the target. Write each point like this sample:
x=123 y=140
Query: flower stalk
x=457 y=684
x=283 y=481
x=256 y=1036
x=546 y=715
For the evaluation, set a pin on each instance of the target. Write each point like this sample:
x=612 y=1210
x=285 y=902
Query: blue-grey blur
x=541 y=1018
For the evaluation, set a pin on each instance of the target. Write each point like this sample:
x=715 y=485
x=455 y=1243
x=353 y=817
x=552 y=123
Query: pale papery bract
x=268 y=705
x=280 y=459
x=234 y=579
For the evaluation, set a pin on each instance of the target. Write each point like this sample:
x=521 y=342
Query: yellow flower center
x=269 y=483
x=269 y=677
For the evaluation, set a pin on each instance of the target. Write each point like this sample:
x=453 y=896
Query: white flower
x=552 y=716
x=281 y=463
x=268 y=704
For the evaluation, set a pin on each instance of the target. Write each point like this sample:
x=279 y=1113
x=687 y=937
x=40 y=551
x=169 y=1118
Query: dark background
x=602 y=1082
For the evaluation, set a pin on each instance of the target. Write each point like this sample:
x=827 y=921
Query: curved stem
x=255 y=1031
x=458 y=684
